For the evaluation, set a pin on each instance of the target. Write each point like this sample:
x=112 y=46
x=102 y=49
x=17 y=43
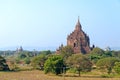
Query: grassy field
x=39 y=75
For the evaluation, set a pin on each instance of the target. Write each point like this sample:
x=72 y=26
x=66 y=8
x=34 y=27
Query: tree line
x=107 y=61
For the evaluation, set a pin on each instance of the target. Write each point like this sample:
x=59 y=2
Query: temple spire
x=78 y=25
x=78 y=20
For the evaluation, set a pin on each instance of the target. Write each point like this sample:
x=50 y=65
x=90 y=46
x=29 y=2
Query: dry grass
x=39 y=75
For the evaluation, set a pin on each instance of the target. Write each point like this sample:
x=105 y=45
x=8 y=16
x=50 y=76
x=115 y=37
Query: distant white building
x=108 y=49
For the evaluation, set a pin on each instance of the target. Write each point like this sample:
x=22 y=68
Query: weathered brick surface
x=79 y=40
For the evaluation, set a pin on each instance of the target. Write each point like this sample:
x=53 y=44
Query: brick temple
x=78 y=40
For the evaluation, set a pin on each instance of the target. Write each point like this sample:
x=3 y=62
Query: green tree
x=80 y=62
x=38 y=61
x=117 y=67
x=3 y=64
x=54 y=64
x=97 y=54
x=97 y=50
x=116 y=54
x=27 y=60
x=94 y=57
x=48 y=52
x=66 y=51
x=24 y=54
x=107 y=54
x=106 y=64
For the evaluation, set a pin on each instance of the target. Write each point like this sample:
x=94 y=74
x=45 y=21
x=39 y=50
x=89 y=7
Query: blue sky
x=46 y=23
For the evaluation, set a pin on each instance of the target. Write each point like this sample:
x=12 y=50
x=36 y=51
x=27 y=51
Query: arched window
x=75 y=44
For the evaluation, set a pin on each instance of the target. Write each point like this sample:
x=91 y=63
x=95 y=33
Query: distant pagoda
x=20 y=49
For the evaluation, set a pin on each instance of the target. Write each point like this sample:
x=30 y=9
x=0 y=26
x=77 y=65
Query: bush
x=3 y=64
x=117 y=67
x=106 y=76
